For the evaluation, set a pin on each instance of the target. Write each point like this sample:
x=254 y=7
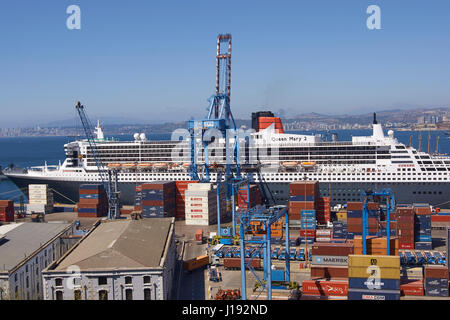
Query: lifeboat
x=114 y=165
x=290 y=164
x=129 y=165
x=186 y=164
x=173 y=165
x=160 y=165
x=308 y=164
x=144 y=165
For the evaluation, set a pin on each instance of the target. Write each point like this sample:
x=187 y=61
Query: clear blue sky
x=155 y=60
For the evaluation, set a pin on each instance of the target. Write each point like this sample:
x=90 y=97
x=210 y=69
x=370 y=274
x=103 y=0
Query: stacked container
x=422 y=227
x=330 y=260
x=376 y=245
x=307 y=226
x=93 y=201
x=40 y=199
x=354 y=218
x=323 y=210
x=373 y=277
x=138 y=199
x=7 y=210
x=405 y=227
x=254 y=195
x=323 y=235
x=158 y=199
x=302 y=196
x=339 y=230
x=201 y=204
x=181 y=187
x=436 y=281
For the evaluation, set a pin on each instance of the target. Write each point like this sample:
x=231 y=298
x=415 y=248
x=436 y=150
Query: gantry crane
x=267 y=217
x=219 y=117
x=390 y=206
x=107 y=177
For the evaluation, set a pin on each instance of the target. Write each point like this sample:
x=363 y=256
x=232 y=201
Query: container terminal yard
x=232 y=230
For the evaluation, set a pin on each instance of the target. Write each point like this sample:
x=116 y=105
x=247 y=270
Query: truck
x=196 y=263
x=199 y=236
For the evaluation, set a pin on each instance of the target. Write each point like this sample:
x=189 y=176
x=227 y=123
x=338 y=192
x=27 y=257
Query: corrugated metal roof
x=121 y=244
x=24 y=239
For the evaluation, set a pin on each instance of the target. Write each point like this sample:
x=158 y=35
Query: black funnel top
x=375 y=118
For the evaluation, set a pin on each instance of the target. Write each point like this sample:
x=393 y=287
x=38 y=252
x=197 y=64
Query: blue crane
x=267 y=216
x=390 y=207
x=219 y=119
x=106 y=176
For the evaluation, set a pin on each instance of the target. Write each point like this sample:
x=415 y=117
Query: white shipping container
x=199 y=186
x=36 y=201
x=323 y=232
x=197 y=222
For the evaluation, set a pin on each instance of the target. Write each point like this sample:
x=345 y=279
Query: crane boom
x=105 y=175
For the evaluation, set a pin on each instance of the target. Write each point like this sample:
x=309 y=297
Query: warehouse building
x=117 y=260
x=25 y=250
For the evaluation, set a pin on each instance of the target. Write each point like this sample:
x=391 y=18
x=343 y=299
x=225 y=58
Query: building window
x=128 y=280
x=128 y=294
x=77 y=294
x=59 y=295
x=58 y=282
x=28 y=281
x=147 y=295
x=103 y=295
x=147 y=279
x=102 y=281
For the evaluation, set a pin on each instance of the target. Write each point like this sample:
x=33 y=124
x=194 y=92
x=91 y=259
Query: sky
x=155 y=60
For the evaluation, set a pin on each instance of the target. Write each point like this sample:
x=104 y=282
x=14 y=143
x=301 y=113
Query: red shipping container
x=406 y=246
x=436 y=218
x=325 y=288
x=302 y=188
x=332 y=249
x=436 y=271
x=308 y=232
x=329 y=272
x=298 y=206
x=411 y=287
x=354 y=206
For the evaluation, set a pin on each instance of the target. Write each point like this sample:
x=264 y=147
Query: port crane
x=219 y=120
x=267 y=217
x=108 y=177
x=388 y=195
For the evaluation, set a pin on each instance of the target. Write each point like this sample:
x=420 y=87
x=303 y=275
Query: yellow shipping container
x=341 y=215
x=377 y=260
x=366 y=272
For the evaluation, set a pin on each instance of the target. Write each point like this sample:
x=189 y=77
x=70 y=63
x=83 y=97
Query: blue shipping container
x=381 y=284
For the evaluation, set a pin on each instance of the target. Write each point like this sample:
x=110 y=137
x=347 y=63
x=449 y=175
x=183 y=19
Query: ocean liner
x=343 y=168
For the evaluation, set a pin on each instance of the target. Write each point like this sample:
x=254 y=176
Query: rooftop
x=120 y=244
x=21 y=240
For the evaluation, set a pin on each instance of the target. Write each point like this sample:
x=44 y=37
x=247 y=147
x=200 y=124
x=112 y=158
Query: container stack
x=323 y=235
x=382 y=232
x=40 y=199
x=330 y=260
x=436 y=281
x=158 y=199
x=411 y=281
x=339 y=230
x=201 y=204
x=375 y=245
x=138 y=198
x=355 y=222
x=302 y=196
x=93 y=201
x=254 y=195
x=307 y=226
x=181 y=187
x=363 y=286
x=323 y=210
x=6 y=210
x=422 y=227
x=405 y=227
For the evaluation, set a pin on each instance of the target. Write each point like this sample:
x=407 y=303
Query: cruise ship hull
x=435 y=193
